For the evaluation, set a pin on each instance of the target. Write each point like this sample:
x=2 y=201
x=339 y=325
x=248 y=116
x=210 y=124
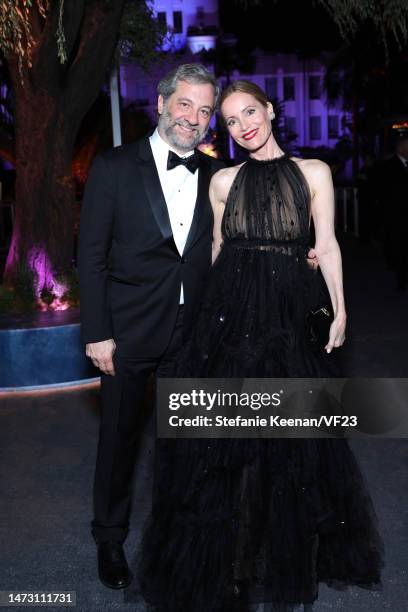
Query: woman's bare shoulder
x=222 y=180
x=316 y=172
x=312 y=166
x=226 y=175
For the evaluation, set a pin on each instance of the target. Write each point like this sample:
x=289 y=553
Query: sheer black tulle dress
x=237 y=522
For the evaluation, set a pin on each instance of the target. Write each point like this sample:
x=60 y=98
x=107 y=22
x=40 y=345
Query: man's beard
x=178 y=141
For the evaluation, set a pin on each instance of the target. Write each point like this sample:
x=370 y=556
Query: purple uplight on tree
x=45 y=281
x=57 y=55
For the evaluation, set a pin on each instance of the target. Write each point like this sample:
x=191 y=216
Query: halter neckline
x=272 y=160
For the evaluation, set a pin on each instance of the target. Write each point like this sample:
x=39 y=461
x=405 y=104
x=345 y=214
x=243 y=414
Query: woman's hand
x=337 y=333
x=326 y=246
x=312 y=259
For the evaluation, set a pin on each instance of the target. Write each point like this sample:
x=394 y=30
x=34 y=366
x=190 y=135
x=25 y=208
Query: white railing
x=347 y=214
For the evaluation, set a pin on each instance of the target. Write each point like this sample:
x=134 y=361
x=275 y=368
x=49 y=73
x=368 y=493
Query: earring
x=272 y=116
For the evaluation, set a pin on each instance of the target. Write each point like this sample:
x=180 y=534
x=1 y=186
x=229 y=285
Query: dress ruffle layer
x=239 y=522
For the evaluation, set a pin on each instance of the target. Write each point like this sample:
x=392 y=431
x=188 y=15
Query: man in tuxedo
x=144 y=252
x=392 y=187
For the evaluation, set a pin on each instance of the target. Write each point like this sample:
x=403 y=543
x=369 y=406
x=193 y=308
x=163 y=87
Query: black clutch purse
x=318 y=322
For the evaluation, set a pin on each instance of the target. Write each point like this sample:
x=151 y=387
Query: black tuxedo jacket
x=130 y=270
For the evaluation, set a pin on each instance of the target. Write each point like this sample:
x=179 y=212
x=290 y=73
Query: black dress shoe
x=112 y=566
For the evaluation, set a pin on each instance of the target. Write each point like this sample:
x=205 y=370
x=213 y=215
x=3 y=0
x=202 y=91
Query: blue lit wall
x=180 y=15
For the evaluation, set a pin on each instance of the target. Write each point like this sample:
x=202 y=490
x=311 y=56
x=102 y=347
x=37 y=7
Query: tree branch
x=20 y=76
x=72 y=21
x=48 y=71
x=46 y=65
x=98 y=39
x=36 y=25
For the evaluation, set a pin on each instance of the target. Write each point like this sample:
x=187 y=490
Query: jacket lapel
x=152 y=186
x=201 y=205
x=151 y=183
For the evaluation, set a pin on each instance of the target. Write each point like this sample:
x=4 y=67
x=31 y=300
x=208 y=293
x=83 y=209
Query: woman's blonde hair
x=247 y=87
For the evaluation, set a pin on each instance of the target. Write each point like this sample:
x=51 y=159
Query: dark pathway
x=48 y=446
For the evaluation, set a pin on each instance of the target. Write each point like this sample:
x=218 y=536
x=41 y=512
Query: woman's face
x=248 y=121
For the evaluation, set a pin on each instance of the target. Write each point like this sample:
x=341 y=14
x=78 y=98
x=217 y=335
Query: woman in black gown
x=236 y=523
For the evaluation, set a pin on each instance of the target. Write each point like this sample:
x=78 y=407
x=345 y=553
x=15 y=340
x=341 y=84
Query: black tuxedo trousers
x=123 y=418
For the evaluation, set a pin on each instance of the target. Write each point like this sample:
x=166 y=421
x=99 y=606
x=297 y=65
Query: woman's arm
x=326 y=246
x=219 y=187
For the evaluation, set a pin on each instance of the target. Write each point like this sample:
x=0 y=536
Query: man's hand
x=101 y=354
x=312 y=259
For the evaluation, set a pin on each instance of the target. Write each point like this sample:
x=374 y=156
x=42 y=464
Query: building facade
x=298 y=85
x=187 y=19
x=309 y=118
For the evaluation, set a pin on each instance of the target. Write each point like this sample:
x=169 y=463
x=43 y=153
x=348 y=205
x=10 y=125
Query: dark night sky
x=288 y=25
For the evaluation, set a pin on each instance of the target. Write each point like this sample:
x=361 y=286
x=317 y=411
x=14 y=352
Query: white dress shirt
x=179 y=187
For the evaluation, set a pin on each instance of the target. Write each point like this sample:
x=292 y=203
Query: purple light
x=39 y=262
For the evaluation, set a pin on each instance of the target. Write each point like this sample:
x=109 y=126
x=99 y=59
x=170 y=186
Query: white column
x=344 y=203
x=355 y=212
x=115 y=107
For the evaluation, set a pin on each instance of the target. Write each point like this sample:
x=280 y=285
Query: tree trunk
x=50 y=102
x=43 y=230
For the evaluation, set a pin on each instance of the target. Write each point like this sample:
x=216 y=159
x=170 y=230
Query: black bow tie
x=191 y=163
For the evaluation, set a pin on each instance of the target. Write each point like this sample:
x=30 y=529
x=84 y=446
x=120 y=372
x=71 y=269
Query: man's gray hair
x=192 y=73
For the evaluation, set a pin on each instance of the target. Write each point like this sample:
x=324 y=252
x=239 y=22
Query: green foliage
x=140 y=34
x=21 y=297
x=286 y=141
x=6 y=299
x=15 y=26
x=139 y=38
x=47 y=296
x=24 y=286
x=389 y=18
x=372 y=88
x=60 y=35
x=335 y=157
x=343 y=149
x=71 y=295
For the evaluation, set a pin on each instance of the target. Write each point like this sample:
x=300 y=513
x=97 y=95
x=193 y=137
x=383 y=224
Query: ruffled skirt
x=237 y=522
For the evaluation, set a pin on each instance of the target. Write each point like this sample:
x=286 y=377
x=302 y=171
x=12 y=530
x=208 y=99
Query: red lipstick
x=249 y=135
